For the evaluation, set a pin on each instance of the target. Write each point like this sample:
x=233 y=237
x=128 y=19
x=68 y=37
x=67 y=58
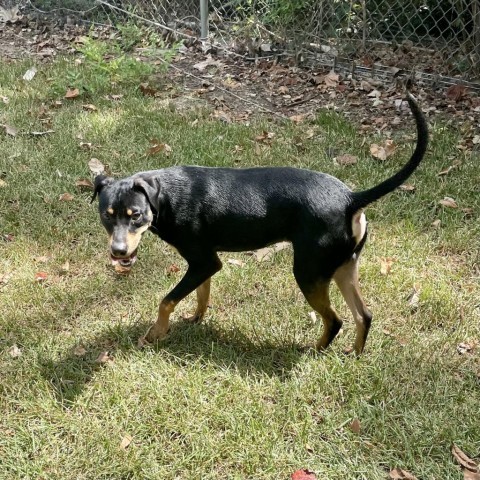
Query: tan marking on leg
x=203 y=299
x=129 y=212
x=346 y=278
x=110 y=210
x=319 y=299
x=359 y=225
x=160 y=328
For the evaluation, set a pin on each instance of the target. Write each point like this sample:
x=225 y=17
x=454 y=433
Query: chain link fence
x=435 y=37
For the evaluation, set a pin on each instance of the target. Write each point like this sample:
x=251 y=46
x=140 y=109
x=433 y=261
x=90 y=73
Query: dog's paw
x=196 y=318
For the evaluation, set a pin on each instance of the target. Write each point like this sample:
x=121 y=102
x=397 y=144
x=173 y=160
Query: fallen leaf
x=464 y=460
x=79 y=351
x=331 y=79
x=72 y=93
x=407 y=187
x=3 y=183
x=346 y=159
x=436 y=223
x=5 y=99
x=414 y=298
x=297 y=118
x=234 y=261
x=313 y=316
x=303 y=474
x=209 y=61
x=96 y=166
x=264 y=254
x=14 y=351
x=90 y=107
x=456 y=92
x=448 y=202
x=159 y=147
x=126 y=441
x=104 y=357
x=66 y=197
x=42 y=259
x=10 y=15
x=468 y=475
x=41 y=277
x=400 y=474
x=84 y=183
x=463 y=348
x=9 y=130
x=386 y=265
x=383 y=152
x=265 y=137
x=148 y=90
x=355 y=426
x=173 y=268
x=29 y=74
x=446 y=171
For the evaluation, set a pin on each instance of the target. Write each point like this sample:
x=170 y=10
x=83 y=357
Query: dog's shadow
x=70 y=374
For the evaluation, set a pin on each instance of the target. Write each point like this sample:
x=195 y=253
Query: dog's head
x=126 y=212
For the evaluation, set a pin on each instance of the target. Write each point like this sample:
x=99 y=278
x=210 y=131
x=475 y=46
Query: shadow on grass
x=186 y=344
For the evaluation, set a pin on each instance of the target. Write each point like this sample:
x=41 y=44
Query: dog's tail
x=362 y=199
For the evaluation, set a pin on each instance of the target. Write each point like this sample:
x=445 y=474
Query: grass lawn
x=234 y=397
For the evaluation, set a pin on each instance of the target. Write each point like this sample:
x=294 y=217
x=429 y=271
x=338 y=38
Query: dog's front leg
x=197 y=277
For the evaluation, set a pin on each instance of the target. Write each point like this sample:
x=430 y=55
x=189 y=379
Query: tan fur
x=129 y=212
x=133 y=239
x=359 y=225
x=110 y=211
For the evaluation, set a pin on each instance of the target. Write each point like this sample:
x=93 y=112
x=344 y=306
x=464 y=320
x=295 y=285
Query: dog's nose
x=119 y=250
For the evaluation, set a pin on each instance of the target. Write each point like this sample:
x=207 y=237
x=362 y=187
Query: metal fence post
x=204 y=18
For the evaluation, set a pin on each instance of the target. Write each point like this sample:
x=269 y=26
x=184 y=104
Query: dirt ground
x=236 y=88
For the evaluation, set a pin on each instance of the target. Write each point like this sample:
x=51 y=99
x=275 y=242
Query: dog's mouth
x=124 y=262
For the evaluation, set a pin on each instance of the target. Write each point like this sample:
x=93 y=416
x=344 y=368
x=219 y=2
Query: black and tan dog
x=201 y=211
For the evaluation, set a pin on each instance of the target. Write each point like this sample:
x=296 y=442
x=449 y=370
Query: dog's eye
x=136 y=216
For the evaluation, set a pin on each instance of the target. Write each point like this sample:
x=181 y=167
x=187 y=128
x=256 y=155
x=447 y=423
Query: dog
x=204 y=210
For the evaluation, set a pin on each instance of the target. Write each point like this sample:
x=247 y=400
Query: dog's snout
x=119 y=249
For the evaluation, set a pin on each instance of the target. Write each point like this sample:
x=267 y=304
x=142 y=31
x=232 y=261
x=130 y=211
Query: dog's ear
x=151 y=191
x=100 y=182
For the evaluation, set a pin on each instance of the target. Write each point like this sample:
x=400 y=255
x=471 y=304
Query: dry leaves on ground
x=386 y=265
x=382 y=152
x=464 y=460
x=346 y=159
x=303 y=474
x=400 y=474
x=14 y=351
x=72 y=93
x=264 y=254
x=448 y=202
x=96 y=166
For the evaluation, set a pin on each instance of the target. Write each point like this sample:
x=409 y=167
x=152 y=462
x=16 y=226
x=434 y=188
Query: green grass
x=234 y=397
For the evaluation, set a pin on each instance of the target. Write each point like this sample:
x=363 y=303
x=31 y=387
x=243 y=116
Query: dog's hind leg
x=203 y=298
x=346 y=278
x=197 y=277
x=313 y=278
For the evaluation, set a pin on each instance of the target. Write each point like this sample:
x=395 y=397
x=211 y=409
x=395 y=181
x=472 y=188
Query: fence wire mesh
x=435 y=37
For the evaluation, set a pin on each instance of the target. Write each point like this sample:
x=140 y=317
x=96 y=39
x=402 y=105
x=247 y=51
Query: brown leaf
x=265 y=137
x=468 y=475
x=407 y=187
x=297 y=118
x=234 y=261
x=84 y=183
x=72 y=93
x=386 y=265
x=14 y=351
x=10 y=130
x=264 y=254
x=400 y=474
x=148 y=90
x=96 y=166
x=463 y=348
x=90 y=107
x=173 y=268
x=86 y=145
x=436 y=223
x=43 y=259
x=41 y=276
x=456 y=92
x=355 y=426
x=209 y=61
x=79 y=351
x=378 y=152
x=448 y=202
x=464 y=460
x=66 y=197
x=346 y=159
x=159 y=147
x=104 y=357
x=414 y=298
x=126 y=441
x=3 y=183
x=303 y=474
x=331 y=79
x=446 y=171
